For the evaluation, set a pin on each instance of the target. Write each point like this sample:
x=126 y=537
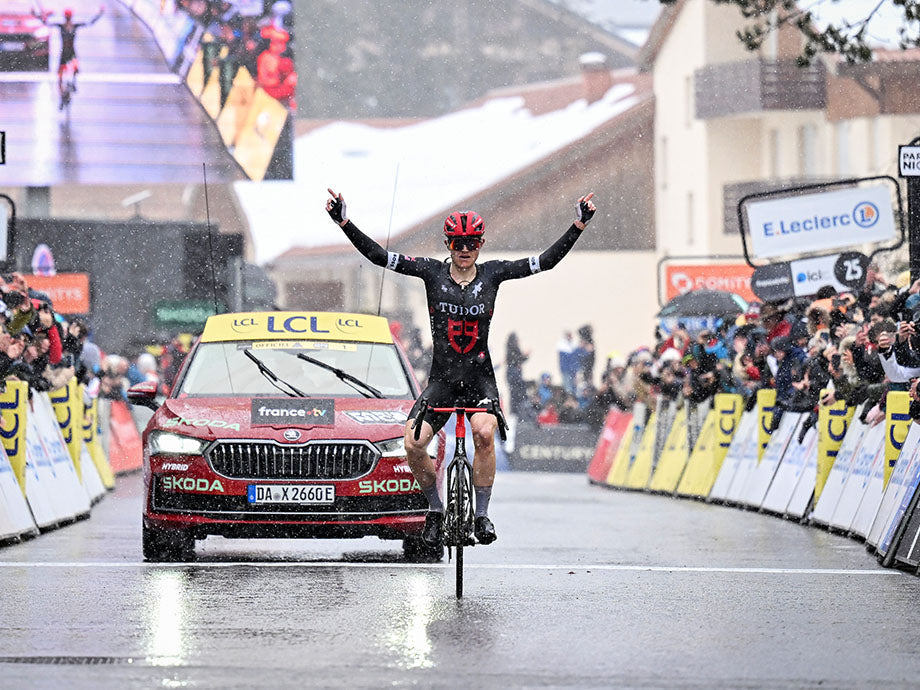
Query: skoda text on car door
x=283 y=424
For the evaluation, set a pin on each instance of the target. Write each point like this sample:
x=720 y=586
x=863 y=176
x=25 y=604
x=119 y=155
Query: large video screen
x=146 y=91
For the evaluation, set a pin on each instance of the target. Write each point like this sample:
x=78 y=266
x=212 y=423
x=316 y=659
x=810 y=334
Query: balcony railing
x=753 y=86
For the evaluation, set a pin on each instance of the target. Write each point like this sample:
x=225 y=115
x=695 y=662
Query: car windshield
x=222 y=369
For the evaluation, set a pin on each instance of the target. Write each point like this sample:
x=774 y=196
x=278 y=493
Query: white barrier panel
x=745 y=436
x=788 y=473
x=872 y=496
x=805 y=489
x=868 y=453
x=903 y=478
x=837 y=478
x=56 y=449
x=56 y=484
x=747 y=465
x=759 y=482
x=15 y=516
x=92 y=482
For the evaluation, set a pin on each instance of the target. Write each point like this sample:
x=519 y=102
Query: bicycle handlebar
x=493 y=408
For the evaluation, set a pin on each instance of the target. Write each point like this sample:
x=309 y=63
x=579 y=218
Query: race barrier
x=830 y=470
x=551 y=448
x=52 y=465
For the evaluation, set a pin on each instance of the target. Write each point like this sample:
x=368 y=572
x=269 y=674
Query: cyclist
x=461 y=297
x=68 y=31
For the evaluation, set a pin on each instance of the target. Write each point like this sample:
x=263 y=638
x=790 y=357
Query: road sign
x=773 y=282
x=804 y=277
x=189 y=314
x=909 y=161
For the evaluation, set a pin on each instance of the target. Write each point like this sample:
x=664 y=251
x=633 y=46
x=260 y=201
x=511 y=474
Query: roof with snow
x=394 y=178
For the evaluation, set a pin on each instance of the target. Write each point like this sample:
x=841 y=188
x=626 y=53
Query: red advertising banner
x=608 y=443
x=69 y=292
x=728 y=277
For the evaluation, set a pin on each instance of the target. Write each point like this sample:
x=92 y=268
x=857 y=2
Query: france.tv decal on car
x=824 y=220
x=281 y=412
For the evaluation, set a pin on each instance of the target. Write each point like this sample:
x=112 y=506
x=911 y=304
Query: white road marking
x=90 y=77
x=580 y=568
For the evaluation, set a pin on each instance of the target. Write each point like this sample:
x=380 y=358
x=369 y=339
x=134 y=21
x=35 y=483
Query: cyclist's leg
x=419 y=461
x=61 y=69
x=484 y=426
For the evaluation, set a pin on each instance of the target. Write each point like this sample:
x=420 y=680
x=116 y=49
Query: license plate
x=312 y=494
x=12 y=46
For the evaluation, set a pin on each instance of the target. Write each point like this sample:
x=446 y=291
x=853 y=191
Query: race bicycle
x=457 y=531
x=68 y=85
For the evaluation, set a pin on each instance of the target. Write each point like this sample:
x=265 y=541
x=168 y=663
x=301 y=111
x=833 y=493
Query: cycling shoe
x=484 y=530
x=431 y=533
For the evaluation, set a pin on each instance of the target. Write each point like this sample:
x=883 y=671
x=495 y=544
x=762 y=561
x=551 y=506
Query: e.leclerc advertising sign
x=815 y=222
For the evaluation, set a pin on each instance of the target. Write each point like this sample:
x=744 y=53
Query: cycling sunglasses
x=464 y=243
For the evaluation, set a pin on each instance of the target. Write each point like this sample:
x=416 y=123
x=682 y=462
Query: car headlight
x=167 y=443
x=393 y=448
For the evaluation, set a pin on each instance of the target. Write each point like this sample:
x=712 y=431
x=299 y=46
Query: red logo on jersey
x=459 y=329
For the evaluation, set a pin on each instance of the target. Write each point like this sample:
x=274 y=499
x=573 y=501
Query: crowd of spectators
x=45 y=349
x=253 y=34
x=856 y=346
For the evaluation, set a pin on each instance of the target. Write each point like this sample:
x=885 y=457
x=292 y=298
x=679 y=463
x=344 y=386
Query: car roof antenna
x=207 y=211
x=389 y=228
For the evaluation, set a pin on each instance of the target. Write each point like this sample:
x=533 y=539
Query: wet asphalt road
x=586 y=587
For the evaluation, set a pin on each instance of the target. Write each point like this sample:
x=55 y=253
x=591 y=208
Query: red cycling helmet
x=68 y=13
x=463 y=224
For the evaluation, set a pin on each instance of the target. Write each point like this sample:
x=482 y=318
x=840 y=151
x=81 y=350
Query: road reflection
x=166 y=616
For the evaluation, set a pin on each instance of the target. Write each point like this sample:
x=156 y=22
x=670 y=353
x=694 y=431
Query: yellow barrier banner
x=91 y=439
x=14 y=406
x=766 y=401
x=641 y=469
x=833 y=423
x=619 y=469
x=700 y=459
x=729 y=408
x=674 y=457
x=68 y=410
x=897 y=424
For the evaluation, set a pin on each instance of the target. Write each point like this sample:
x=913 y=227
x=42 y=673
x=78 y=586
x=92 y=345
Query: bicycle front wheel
x=459 y=516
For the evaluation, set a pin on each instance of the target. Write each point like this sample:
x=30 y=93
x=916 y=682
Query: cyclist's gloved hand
x=584 y=209
x=335 y=207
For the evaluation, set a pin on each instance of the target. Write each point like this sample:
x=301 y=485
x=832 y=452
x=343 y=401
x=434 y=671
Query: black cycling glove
x=337 y=212
x=583 y=213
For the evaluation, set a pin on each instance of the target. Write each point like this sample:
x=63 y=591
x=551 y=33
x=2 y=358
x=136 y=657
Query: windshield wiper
x=369 y=390
x=273 y=377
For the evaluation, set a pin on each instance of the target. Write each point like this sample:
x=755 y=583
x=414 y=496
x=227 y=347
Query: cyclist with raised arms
x=461 y=297
x=68 y=31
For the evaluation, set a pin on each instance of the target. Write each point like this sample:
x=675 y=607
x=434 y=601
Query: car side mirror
x=144 y=393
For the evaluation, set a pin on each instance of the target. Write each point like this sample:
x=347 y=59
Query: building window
x=690 y=229
x=663 y=155
x=808 y=150
x=774 y=152
x=842 y=130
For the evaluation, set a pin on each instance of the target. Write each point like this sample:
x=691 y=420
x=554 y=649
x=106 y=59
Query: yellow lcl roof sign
x=296 y=325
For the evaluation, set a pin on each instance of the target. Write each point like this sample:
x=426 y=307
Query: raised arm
x=584 y=210
x=95 y=19
x=373 y=252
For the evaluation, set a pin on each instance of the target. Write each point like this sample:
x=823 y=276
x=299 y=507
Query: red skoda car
x=283 y=424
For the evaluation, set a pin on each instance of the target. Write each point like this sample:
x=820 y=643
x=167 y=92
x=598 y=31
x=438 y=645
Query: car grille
x=318 y=460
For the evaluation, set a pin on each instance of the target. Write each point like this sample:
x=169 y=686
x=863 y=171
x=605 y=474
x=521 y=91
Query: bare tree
x=846 y=38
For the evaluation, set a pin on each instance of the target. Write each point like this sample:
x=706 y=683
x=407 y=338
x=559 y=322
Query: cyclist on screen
x=68 y=31
x=461 y=297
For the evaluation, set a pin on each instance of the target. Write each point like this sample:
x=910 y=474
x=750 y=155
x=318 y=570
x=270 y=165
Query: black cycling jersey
x=460 y=315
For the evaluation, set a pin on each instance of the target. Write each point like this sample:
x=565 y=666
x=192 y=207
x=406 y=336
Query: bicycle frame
x=458 y=514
